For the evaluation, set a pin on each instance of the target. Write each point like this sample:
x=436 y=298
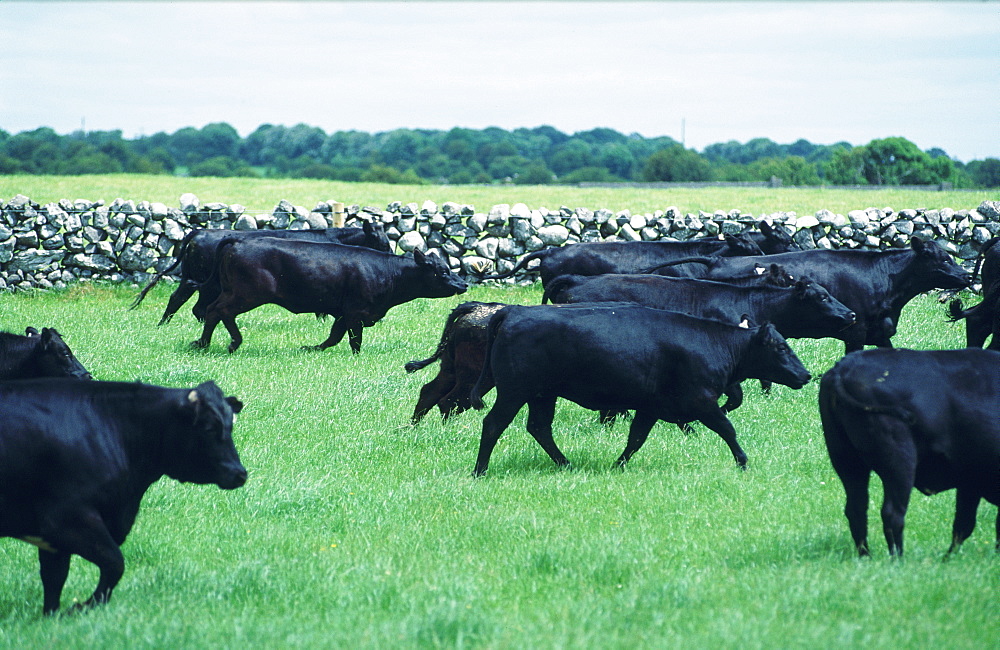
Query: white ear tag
x=745 y=324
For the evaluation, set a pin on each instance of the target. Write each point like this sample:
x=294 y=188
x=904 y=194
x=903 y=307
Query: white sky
x=826 y=72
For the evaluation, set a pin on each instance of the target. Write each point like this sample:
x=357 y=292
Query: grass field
x=359 y=530
x=264 y=194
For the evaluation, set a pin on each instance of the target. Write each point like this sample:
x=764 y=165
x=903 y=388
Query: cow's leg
x=354 y=338
x=734 y=397
x=177 y=299
x=854 y=475
x=541 y=412
x=638 y=431
x=717 y=421
x=337 y=332
x=966 y=505
x=856 y=508
x=234 y=332
x=494 y=424
x=431 y=395
x=205 y=298
x=54 y=568
x=84 y=534
x=978 y=326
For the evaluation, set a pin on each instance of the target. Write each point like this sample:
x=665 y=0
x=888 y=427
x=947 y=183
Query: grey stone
x=410 y=241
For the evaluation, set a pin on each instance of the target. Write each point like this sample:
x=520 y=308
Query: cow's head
x=438 y=280
x=935 y=268
x=53 y=357
x=776 y=239
x=375 y=236
x=742 y=245
x=203 y=450
x=770 y=357
x=817 y=307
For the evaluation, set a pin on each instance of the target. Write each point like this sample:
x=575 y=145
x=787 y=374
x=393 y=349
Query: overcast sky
x=826 y=72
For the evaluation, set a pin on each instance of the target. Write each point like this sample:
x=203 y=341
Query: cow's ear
x=916 y=243
x=800 y=287
x=765 y=228
x=367 y=227
x=47 y=333
x=30 y=331
x=418 y=256
x=234 y=404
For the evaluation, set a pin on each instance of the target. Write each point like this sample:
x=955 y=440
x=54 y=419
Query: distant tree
x=536 y=173
x=897 y=161
x=618 y=160
x=573 y=154
x=386 y=174
x=675 y=163
x=984 y=173
x=792 y=170
x=222 y=167
x=846 y=167
x=506 y=167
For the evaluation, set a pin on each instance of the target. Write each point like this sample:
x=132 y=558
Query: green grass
x=264 y=194
x=358 y=530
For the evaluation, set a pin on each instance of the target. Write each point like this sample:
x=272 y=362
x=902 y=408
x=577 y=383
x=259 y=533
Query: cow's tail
x=522 y=263
x=955 y=311
x=178 y=256
x=842 y=397
x=486 y=381
x=987 y=245
x=707 y=261
x=220 y=249
x=449 y=325
x=557 y=285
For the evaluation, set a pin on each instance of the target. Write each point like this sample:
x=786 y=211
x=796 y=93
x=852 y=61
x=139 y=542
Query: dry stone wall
x=49 y=246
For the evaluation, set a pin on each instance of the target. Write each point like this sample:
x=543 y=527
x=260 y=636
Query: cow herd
x=660 y=331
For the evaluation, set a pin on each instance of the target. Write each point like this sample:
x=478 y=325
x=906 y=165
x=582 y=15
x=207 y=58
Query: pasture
x=263 y=194
x=357 y=529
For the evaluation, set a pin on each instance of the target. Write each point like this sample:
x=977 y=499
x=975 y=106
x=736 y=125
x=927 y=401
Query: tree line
x=530 y=156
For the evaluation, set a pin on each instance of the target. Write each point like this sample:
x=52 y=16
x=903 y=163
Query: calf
x=461 y=351
x=77 y=457
x=594 y=258
x=875 y=285
x=924 y=419
x=621 y=356
x=356 y=286
x=38 y=355
x=196 y=257
x=983 y=319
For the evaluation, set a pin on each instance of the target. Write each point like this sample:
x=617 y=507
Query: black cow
x=357 y=286
x=875 y=285
x=983 y=319
x=804 y=310
x=924 y=419
x=38 y=355
x=77 y=457
x=196 y=257
x=595 y=258
x=621 y=356
x=461 y=350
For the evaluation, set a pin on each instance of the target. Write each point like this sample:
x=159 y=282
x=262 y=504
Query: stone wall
x=46 y=246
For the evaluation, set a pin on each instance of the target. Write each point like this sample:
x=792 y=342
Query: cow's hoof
x=198 y=345
x=233 y=348
x=312 y=348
